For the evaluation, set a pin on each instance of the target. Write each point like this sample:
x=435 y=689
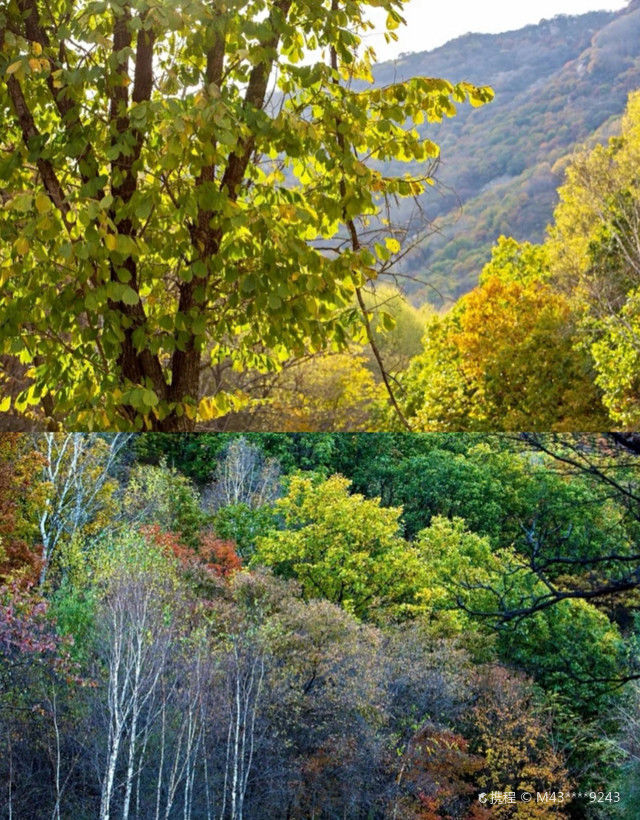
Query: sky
x=430 y=24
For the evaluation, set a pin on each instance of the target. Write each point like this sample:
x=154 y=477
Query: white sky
x=430 y=23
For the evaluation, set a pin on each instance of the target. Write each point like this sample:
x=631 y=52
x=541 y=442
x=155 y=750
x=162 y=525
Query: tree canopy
x=184 y=185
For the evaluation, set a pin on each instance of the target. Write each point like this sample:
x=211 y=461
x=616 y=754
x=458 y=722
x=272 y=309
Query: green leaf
x=129 y=296
x=21 y=203
x=144 y=208
x=149 y=398
x=43 y=203
x=387 y=321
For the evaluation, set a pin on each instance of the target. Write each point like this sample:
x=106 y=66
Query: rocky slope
x=558 y=85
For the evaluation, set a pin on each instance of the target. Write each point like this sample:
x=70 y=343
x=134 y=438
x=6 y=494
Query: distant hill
x=558 y=85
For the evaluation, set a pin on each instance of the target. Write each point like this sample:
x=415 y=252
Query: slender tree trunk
x=161 y=763
x=174 y=778
x=254 y=712
x=10 y=750
x=207 y=791
x=116 y=717
x=130 y=764
x=107 y=789
x=225 y=783
x=56 y=808
x=236 y=744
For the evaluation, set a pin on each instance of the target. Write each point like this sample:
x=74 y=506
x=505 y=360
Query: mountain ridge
x=558 y=83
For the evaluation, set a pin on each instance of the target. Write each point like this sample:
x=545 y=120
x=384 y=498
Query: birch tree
x=77 y=471
x=137 y=623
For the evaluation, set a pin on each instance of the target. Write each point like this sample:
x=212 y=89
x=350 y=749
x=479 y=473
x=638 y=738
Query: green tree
x=342 y=547
x=453 y=556
x=551 y=645
x=163 y=208
x=594 y=253
x=165 y=497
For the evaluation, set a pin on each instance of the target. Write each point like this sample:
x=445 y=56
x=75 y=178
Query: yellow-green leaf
x=43 y=203
x=21 y=245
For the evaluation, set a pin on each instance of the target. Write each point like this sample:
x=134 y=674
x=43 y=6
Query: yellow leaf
x=5 y=404
x=207 y=410
x=36 y=48
x=393 y=22
x=111 y=242
x=14 y=67
x=392 y=244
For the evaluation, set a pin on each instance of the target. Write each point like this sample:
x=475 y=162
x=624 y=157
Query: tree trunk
x=185 y=383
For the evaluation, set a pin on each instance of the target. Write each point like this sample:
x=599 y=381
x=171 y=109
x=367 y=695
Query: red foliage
x=23 y=623
x=440 y=771
x=30 y=643
x=18 y=560
x=219 y=554
x=214 y=555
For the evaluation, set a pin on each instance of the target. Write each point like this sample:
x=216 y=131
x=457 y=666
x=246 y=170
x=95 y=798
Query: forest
x=278 y=625
x=220 y=219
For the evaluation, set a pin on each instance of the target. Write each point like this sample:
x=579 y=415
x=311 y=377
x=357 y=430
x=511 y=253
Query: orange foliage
x=513 y=737
x=505 y=749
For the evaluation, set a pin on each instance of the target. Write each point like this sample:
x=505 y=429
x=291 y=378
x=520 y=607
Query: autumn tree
x=77 y=473
x=504 y=357
x=184 y=186
x=243 y=476
x=514 y=737
x=331 y=391
x=594 y=248
x=162 y=496
x=37 y=747
x=329 y=680
x=211 y=558
x=20 y=492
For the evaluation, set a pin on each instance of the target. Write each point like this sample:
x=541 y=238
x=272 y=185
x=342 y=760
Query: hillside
x=557 y=85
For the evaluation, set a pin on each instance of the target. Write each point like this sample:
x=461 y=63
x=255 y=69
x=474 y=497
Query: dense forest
x=219 y=220
x=548 y=339
x=329 y=625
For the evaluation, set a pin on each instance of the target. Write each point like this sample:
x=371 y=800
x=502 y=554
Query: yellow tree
x=505 y=356
x=594 y=251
